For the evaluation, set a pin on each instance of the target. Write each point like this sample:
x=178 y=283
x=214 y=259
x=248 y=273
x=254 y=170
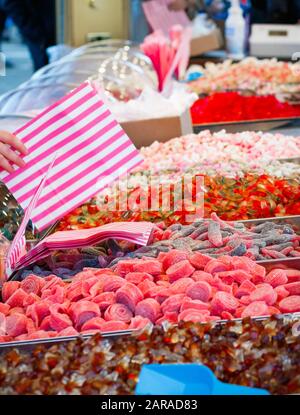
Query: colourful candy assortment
x=260 y=76
x=263 y=354
x=251 y=89
x=177 y=286
x=249 y=197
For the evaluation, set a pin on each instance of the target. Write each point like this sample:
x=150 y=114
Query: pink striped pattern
x=18 y=252
x=18 y=247
x=160 y=17
x=135 y=232
x=92 y=151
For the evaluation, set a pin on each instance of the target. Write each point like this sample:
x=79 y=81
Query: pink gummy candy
x=264 y=293
x=200 y=290
x=257 y=308
x=180 y=270
x=276 y=277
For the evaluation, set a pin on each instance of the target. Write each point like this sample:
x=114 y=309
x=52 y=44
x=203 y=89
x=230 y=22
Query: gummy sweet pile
x=251 y=150
x=233 y=106
x=263 y=354
x=250 y=197
x=176 y=286
x=261 y=76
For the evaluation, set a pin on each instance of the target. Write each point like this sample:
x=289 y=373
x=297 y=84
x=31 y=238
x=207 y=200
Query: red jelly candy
x=139 y=323
x=137 y=277
x=276 y=277
x=162 y=294
x=4 y=308
x=32 y=284
x=17 y=298
x=124 y=267
x=244 y=289
x=180 y=270
x=172 y=303
x=199 y=260
x=16 y=325
x=264 y=293
x=241 y=263
x=173 y=256
x=145 y=287
x=224 y=302
x=240 y=276
x=118 y=312
x=149 y=309
x=216 y=266
x=200 y=290
x=255 y=309
x=113 y=283
x=258 y=271
x=129 y=295
x=8 y=289
x=281 y=292
x=293 y=288
x=245 y=300
x=194 y=316
x=94 y=323
x=110 y=326
x=293 y=275
x=226 y=315
x=290 y=304
x=104 y=300
x=202 y=276
x=180 y=286
x=195 y=304
x=151 y=266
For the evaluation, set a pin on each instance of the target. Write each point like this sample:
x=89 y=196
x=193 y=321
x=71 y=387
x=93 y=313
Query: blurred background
x=28 y=28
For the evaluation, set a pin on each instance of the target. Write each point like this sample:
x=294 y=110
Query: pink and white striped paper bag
x=136 y=232
x=92 y=151
x=18 y=246
x=160 y=17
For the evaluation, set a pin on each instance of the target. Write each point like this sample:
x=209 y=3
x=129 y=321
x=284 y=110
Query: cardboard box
x=202 y=44
x=145 y=132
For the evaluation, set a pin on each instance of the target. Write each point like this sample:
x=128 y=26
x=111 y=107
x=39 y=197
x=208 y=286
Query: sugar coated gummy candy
x=290 y=304
x=180 y=270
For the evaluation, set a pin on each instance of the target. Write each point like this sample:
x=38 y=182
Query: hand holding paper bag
x=8 y=156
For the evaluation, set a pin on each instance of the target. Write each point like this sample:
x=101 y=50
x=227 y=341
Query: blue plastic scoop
x=187 y=379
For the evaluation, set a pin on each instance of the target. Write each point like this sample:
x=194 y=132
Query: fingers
x=10 y=155
x=12 y=141
x=5 y=165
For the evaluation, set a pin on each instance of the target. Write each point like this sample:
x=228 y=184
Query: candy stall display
x=213 y=274
x=263 y=354
x=251 y=89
